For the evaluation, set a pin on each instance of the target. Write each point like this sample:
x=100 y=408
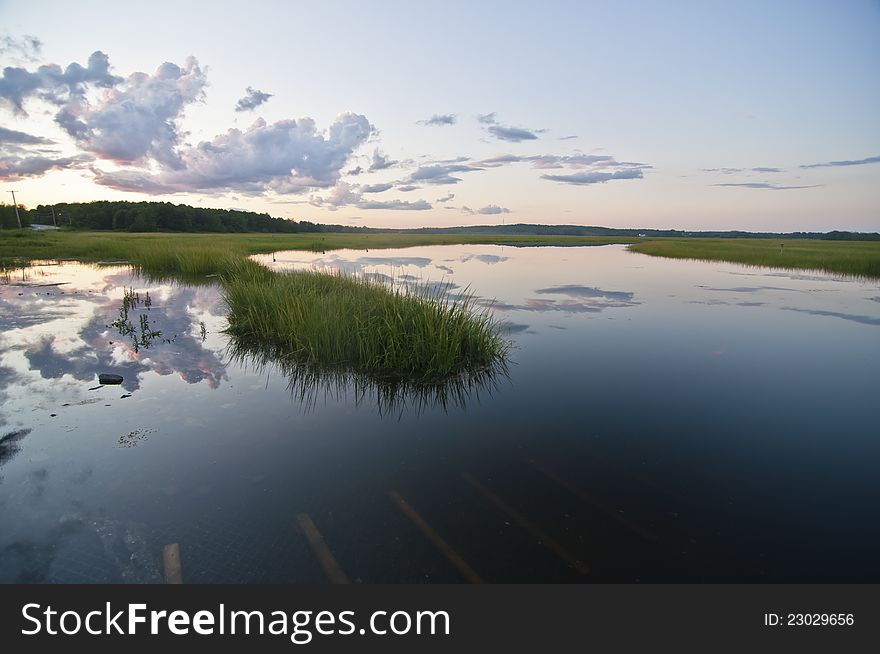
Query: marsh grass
x=310 y=384
x=197 y=252
x=331 y=322
x=852 y=258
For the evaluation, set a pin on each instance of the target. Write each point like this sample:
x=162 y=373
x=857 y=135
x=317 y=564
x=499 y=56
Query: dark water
x=660 y=421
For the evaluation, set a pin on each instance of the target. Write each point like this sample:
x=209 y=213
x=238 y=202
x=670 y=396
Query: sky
x=762 y=116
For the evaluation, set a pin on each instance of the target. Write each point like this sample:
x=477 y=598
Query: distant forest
x=167 y=217
x=151 y=217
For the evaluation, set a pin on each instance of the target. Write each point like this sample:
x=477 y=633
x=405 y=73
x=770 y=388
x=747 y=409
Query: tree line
x=167 y=217
x=151 y=217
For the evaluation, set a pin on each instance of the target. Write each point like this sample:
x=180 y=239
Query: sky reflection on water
x=734 y=423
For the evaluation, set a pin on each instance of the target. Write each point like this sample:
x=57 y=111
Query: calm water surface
x=660 y=420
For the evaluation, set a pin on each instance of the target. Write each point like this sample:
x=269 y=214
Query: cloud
x=440 y=173
x=491 y=209
x=20 y=166
x=568 y=138
x=381 y=161
x=395 y=205
x=27 y=47
x=357 y=170
x=252 y=99
x=376 y=188
x=544 y=161
x=505 y=132
x=500 y=160
x=438 y=120
x=848 y=162
x=344 y=195
x=764 y=185
x=406 y=188
x=341 y=195
x=596 y=177
x=446 y=198
x=467 y=210
x=288 y=156
x=52 y=84
x=515 y=134
x=732 y=171
x=136 y=120
x=21 y=138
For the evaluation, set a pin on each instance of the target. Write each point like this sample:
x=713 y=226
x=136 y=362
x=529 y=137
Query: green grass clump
x=854 y=258
x=337 y=322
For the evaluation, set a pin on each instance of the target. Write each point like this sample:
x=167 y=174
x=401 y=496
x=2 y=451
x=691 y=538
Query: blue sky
x=696 y=115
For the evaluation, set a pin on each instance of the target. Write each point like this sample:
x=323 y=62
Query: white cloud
x=288 y=156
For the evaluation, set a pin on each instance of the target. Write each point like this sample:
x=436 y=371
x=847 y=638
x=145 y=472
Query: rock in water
x=107 y=378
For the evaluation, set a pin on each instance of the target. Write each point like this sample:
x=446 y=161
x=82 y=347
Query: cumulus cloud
x=252 y=99
x=381 y=161
x=491 y=209
x=52 y=84
x=595 y=177
x=438 y=120
x=845 y=162
x=446 y=198
x=766 y=186
x=21 y=138
x=288 y=156
x=136 y=121
x=406 y=188
x=132 y=121
x=341 y=195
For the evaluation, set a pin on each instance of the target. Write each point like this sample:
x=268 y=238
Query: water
x=660 y=420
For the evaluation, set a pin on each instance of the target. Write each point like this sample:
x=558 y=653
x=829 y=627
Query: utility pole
x=17 y=217
x=54 y=222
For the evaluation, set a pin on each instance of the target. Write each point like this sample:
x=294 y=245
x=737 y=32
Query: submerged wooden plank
x=589 y=498
x=171 y=564
x=543 y=537
x=325 y=557
x=451 y=555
